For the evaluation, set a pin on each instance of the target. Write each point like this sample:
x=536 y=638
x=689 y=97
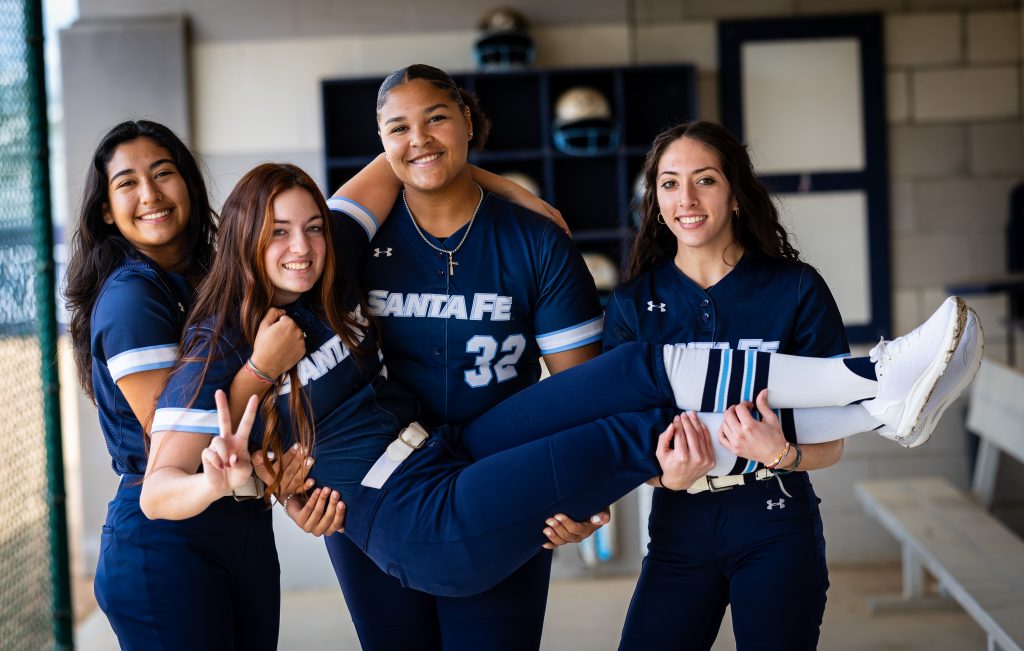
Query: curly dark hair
x=756 y=227
x=98 y=248
x=440 y=79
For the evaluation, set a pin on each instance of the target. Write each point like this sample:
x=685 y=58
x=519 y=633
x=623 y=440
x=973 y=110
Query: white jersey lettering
x=483 y=306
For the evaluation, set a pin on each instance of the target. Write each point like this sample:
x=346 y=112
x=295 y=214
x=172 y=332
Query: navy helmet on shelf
x=583 y=124
x=504 y=44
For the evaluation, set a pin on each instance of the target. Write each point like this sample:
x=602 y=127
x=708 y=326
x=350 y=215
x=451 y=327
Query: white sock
x=823 y=424
x=795 y=382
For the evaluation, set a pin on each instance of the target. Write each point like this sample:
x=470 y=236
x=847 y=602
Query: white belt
x=718 y=484
x=411 y=438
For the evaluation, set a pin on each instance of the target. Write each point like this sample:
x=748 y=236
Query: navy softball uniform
x=753 y=546
x=460 y=514
x=462 y=342
x=165 y=584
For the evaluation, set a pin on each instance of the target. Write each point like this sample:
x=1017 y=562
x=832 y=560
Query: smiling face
x=147 y=201
x=294 y=257
x=694 y=196
x=425 y=135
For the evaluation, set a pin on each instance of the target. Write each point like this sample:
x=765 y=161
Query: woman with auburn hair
x=713 y=254
x=144 y=239
x=446 y=511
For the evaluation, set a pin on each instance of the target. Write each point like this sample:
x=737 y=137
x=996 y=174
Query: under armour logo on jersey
x=651 y=306
x=382 y=252
x=781 y=504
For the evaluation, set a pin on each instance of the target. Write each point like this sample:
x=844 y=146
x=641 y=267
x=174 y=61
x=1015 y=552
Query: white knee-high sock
x=795 y=382
x=823 y=424
x=711 y=380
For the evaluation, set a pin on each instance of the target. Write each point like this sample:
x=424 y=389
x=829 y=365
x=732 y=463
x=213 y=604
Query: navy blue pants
x=508 y=617
x=751 y=546
x=208 y=582
x=462 y=514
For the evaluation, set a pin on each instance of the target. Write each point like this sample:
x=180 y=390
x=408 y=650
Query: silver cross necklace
x=451 y=254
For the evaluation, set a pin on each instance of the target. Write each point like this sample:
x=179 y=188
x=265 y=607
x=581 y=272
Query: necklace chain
x=451 y=253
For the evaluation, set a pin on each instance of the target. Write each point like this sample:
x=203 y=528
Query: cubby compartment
x=655 y=98
x=594 y=192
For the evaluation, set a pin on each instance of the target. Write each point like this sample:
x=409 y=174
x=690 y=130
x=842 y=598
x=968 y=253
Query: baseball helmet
x=524 y=180
x=601 y=267
x=504 y=43
x=583 y=124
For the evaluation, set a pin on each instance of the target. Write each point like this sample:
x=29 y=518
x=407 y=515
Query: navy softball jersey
x=459 y=515
x=164 y=584
x=710 y=549
x=462 y=342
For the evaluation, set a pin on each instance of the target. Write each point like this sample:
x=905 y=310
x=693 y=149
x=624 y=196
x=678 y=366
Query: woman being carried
x=448 y=511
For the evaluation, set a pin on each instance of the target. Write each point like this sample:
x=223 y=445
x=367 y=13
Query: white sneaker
x=909 y=367
x=962 y=368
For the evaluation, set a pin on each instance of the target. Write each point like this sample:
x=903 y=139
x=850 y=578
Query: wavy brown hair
x=756 y=227
x=236 y=294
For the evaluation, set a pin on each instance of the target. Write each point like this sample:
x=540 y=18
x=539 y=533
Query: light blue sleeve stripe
x=357 y=212
x=571 y=337
x=142 y=359
x=751 y=466
x=186 y=420
x=572 y=346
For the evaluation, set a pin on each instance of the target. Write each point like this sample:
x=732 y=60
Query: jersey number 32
x=486 y=349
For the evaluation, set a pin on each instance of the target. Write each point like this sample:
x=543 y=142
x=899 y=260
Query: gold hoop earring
x=661 y=218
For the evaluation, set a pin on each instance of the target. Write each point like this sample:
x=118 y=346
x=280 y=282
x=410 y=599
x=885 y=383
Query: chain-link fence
x=27 y=605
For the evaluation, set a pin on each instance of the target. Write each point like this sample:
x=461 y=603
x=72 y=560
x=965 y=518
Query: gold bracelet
x=796 y=464
x=778 y=459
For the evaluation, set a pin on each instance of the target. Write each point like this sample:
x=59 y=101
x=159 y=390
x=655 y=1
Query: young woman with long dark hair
x=714 y=257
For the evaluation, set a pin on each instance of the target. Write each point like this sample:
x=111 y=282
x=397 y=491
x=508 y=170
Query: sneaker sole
x=922 y=391
x=923 y=429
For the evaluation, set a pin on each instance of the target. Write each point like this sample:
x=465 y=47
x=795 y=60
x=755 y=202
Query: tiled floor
x=587 y=614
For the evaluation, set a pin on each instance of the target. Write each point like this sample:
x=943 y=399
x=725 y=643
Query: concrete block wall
x=954 y=81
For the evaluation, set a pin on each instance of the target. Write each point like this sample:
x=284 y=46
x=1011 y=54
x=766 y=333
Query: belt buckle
x=414 y=436
x=719 y=489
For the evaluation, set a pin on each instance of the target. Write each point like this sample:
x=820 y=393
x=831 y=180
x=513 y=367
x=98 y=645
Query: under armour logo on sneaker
x=781 y=504
x=651 y=306
x=379 y=252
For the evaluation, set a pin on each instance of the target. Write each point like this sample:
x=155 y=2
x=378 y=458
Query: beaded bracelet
x=778 y=459
x=285 y=501
x=256 y=373
x=796 y=464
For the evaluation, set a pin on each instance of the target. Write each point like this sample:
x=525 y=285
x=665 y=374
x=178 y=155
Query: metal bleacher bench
x=977 y=561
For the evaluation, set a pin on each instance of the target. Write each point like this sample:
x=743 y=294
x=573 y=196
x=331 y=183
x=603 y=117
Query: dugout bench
x=978 y=561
